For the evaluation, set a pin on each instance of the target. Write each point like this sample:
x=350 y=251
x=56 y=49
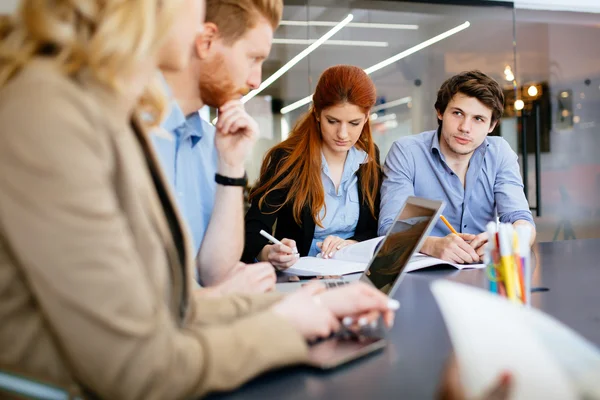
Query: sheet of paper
x=421 y=261
x=491 y=335
x=359 y=252
x=579 y=358
x=315 y=266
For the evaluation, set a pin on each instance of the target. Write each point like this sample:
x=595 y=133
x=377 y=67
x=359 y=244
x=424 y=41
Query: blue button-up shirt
x=340 y=215
x=415 y=166
x=189 y=158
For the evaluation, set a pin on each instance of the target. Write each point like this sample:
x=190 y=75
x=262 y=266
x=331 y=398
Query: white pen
x=273 y=240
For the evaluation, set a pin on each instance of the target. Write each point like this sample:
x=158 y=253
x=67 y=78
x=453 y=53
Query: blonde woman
x=96 y=290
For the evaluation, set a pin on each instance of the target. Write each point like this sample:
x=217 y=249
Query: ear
x=205 y=40
x=493 y=126
x=439 y=116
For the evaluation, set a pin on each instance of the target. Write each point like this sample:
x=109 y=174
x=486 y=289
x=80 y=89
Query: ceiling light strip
x=297 y=58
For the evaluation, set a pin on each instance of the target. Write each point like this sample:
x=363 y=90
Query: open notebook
x=356 y=257
x=490 y=335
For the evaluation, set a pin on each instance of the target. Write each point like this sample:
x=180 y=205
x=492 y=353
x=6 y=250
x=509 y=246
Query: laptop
x=384 y=271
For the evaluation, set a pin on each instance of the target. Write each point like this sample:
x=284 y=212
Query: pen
x=445 y=221
x=273 y=240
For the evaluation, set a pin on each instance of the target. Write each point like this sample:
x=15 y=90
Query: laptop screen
x=397 y=247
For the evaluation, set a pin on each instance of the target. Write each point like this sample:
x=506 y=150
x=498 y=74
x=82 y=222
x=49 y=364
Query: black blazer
x=257 y=219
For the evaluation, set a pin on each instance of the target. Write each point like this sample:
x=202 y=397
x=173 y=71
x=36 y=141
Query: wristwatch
x=227 y=181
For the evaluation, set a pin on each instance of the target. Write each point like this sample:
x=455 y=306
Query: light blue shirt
x=189 y=158
x=340 y=214
x=415 y=166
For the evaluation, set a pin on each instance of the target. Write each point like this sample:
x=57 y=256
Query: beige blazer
x=93 y=289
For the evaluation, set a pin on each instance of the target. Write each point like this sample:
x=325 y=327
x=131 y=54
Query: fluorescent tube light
x=297 y=58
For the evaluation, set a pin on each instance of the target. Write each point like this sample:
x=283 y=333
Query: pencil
x=445 y=221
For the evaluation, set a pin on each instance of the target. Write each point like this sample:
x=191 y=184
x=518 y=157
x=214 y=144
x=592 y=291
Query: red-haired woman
x=319 y=187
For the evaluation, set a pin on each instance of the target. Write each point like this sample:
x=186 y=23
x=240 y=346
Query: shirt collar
x=195 y=128
x=354 y=159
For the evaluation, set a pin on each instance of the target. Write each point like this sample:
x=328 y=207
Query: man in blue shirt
x=226 y=63
x=477 y=176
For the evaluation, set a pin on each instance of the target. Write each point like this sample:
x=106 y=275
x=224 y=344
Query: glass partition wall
x=547 y=63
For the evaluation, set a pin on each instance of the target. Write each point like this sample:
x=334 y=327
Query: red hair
x=298 y=172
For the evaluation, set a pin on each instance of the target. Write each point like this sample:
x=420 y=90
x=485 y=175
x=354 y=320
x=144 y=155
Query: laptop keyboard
x=334 y=284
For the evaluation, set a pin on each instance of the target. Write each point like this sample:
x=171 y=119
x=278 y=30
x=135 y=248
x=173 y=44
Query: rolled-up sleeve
x=398 y=184
x=508 y=188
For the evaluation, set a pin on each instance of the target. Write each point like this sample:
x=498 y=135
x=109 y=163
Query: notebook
x=354 y=258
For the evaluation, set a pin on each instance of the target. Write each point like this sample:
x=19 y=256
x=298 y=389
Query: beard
x=216 y=85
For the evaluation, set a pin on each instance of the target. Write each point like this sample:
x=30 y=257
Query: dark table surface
x=411 y=365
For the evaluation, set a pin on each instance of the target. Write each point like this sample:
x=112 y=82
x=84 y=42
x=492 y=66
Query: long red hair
x=298 y=172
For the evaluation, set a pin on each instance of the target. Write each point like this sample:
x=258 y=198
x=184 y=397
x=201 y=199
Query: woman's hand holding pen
x=282 y=255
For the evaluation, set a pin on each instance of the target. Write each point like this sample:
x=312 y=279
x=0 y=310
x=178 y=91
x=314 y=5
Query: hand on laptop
x=306 y=313
x=316 y=312
x=359 y=304
x=331 y=244
x=248 y=278
x=281 y=256
x=451 y=387
x=454 y=248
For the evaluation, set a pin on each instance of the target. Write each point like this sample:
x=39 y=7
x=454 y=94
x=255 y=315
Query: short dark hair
x=473 y=84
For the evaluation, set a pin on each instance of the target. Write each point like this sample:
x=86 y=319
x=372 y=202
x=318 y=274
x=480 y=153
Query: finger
x=288 y=264
x=283 y=249
x=320 y=245
x=367 y=299
x=230 y=118
x=481 y=252
x=265 y=272
x=238 y=126
x=501 y=390
x=281 y=259
x=291 y=244
x=267 y=283
x=479 y=241
x=329 y=245
x=231 y=104
x=388 y=318
x=325 y=247
x=223 y=117
x=364 y=319
x=469 y=250
x=467 y=237
x=463 y=256
x=335 y=246
x=313 y=288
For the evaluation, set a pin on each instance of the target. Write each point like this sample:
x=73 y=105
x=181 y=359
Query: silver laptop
x=385 y=271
